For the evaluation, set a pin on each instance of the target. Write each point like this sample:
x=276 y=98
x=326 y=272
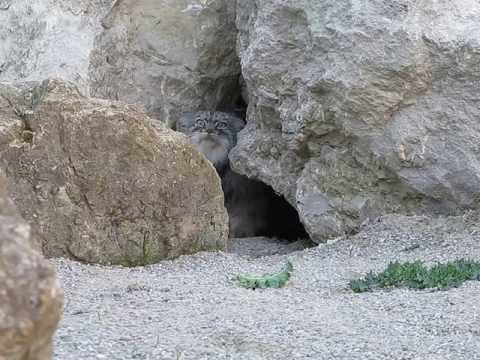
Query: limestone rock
x=30 y=296
x=170 y=56
x=100 y=184
x=48 y=38
x=361 y=107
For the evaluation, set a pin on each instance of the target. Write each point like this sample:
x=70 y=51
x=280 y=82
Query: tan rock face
x=100 y=184
x=30 y=296
x=170 y=56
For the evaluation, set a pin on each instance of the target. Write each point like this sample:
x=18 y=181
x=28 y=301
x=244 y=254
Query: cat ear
x=185 y=121
x=237 y=123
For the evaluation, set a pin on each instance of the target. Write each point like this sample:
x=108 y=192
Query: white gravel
x=192 y=308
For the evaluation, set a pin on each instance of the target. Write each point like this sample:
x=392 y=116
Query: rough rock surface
x=30 y=296
x=100 y=184
x=48 y=38
x=361 y=107
x=170 y=56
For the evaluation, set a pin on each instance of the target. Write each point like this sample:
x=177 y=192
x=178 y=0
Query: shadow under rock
x=257 y=247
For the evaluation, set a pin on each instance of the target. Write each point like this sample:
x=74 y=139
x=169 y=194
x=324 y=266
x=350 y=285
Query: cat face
x=213 y=133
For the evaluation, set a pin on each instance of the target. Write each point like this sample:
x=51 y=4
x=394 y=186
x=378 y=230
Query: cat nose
x=210 y=131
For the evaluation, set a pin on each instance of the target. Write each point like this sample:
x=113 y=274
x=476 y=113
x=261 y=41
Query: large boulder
x=48 y=38
x=361 y=107
x=100 y=184
x=170 y=56
x=30 y=296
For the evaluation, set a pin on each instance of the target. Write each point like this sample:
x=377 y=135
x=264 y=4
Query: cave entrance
x=262 y=212
x=281 y=231
x=281 y=218
x=259 y=211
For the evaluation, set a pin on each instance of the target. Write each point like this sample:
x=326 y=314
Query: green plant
x=415 y=275
x=277 y=280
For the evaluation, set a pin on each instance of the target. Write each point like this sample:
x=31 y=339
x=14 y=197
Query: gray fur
x=253 y=208
x=214 y=134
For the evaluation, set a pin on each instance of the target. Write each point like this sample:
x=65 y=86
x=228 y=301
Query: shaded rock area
x=30 y=295
x=357 y=108
x=100 y=184
x=48 y=38
x=170 y=56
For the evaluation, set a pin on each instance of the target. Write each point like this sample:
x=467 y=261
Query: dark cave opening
x=282 y=219
x=255 y=210
x=236 y=101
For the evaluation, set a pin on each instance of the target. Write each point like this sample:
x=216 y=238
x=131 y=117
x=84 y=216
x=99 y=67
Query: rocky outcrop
x=30 y=296
x=100 y=184
x=49 y=38
x=170 y=56
x=356 y=108
x=361 y=107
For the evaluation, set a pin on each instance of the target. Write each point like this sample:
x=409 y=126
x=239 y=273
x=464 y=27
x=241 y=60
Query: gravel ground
x=192 y=308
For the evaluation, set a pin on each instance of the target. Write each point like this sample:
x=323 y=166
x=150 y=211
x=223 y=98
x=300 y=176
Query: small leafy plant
x=415 y=275
x=277 y=280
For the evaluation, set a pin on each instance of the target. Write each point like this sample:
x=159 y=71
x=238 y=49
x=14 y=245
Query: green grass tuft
x=277 y=280
x=415 y=275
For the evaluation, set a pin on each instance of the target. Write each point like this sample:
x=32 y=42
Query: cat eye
x=200 y=123
x=220 y=125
